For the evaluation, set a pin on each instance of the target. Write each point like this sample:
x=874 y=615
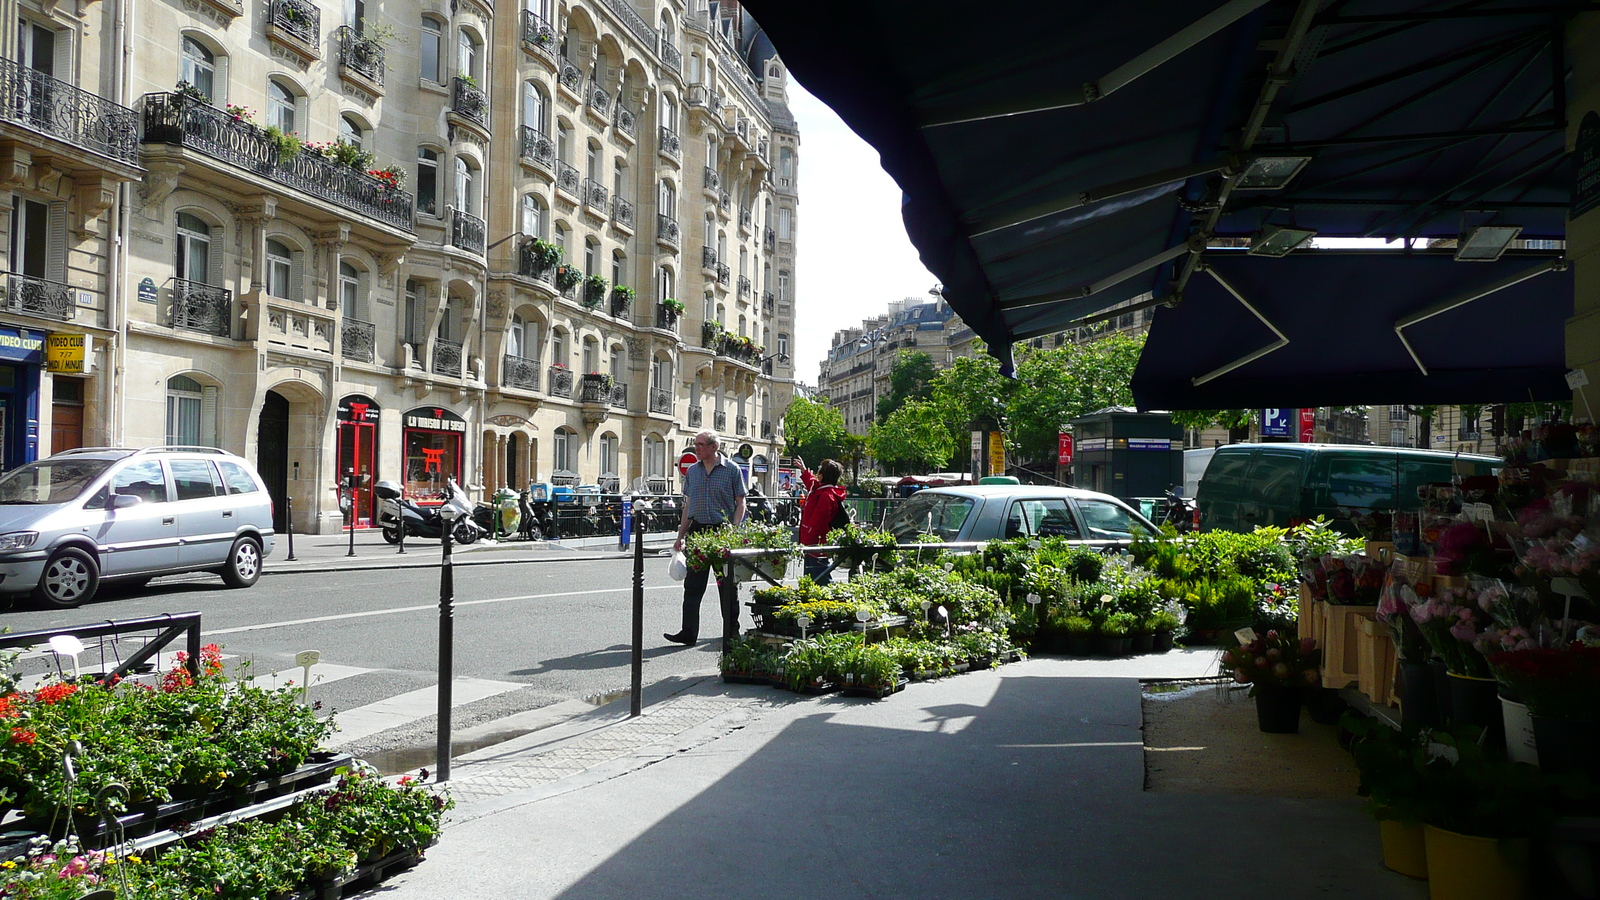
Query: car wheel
x=70 y=578
x=392 y=535
x=244 y=563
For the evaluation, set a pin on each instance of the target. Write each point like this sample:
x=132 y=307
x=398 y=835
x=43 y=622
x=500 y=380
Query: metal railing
x=197 y=306
x=666 y=317
x=599 y=99
x=467 y=232
x=719 y=421
x=469 y=101
x=447 y=358
x=626 y=120
x=671 y=56
x=570 y=76
x=51 y=106
x=567 y=178
x=723 y=273
x=741 y=425
x=520 y=372
x=299 y=19
x=631 y=19
x=620 y=302
x=768 y=302
x=713 y=180
x=595 y=195
x=594 y=389
x=619 y=395
x=744 y=285
x=40 y=297
x=530 y=265
x=622 y=212
x=667 y=229
x=670 y=143
x=746 y=218
x=560 y=382
x=537 y=147
x=173 y=119
x=171 y=625
x=539 y=34
x=358 y=340
x=766 y=429
x=708 y=258
x=770 y=239
x=696 y=416
x=725 y=201
x=661 y=401
x=361 y=55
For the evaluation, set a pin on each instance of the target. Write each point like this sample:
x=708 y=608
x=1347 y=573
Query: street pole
x=288 y=523
x=447 y=628
x=352 y=493
x=638 y=619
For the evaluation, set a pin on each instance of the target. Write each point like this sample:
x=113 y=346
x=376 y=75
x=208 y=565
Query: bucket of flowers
x=1278 y=667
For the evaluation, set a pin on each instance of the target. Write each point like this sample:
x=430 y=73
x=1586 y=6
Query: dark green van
x=1246 y=485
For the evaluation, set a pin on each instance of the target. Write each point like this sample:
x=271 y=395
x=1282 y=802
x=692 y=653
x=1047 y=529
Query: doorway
x=272 y=454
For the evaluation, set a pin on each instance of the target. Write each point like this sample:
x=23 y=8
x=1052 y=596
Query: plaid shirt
x=710 y=496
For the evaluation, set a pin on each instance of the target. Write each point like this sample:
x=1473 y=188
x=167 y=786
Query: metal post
x=638 y=619
x=352 y=521
x=447 y=627
x=288 y=523
x=400 y=515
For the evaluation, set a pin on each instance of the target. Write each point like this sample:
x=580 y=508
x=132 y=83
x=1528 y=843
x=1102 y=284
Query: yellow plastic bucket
x=1404 y=849
x=1464 y=867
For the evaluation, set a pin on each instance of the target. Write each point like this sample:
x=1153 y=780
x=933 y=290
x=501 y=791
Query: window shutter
x=56 y=257
x=208 y=416
x=297 y=274
x=214 y=258
x=63 y=58
x=362 y=287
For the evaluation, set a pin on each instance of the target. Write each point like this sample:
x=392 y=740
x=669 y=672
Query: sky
x=852 y=253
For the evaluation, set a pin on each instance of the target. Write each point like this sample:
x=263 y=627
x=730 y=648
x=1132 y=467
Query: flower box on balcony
x=594 y=291
x=621 y=300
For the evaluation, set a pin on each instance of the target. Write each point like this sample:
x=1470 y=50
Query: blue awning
x=1066 y=157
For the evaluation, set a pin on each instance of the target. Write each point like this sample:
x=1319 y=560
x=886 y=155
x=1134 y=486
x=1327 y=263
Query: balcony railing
x=766 y=429
x=666 y=317
x=37 y=101
x=719 y=421
x=619 y=396
x=594 y=389
x=38 y=297
x=621 y=302
x=520 y=372
x=447 y=358
x=744 y=286
x=671 y=56
x=201 y=307
x=710 y=337
x=661 y=400
x=599 y=99
x=670 y=143
x=537 y=147
x=625 y=120
x=768 y=302
x=746 y=219
x=713 y=180
x=595 y=195
x=723 y=273
x=539 y=34
x=529 y=264
x=299 y=19
x=708 y=258
x=171 y=119
x=469 y=101
x=570 y=77
x=770 y=239
x=741 y=425
x=467 y=232
x=621 y=212
x=667 y=229
x=567 y=178
x=360 y=55
x=725 y=201
x=358 y=340
x=634 y=22
x=696 y=416
x=560 y=382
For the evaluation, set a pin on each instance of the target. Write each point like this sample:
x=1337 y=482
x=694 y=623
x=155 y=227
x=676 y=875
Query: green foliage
x=1201 y=419
x=911 y=378
x=915 y=437
x=1058 y=385
x=675 y=305
x=568 y=278
x=813 y=431
x=710 y=547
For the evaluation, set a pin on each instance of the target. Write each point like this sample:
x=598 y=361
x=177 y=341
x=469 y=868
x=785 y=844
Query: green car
x=1246 y=485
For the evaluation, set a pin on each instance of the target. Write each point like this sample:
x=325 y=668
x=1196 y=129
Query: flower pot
x=1278 y=709
x=773 y=567
x=1465 y=867
x=1111 y=646
x=1419 y=701
x=1566 y=746
x=1476 y=701
x=1078 y=644
x=1325 y=705
x=1161 y=642
x=1520 y=745
x=1143 y=643
x=1404 y=849
x=1441 y=689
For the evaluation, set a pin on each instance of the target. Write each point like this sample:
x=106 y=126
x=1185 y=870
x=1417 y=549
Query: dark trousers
x=694 y=590
x=815 y=564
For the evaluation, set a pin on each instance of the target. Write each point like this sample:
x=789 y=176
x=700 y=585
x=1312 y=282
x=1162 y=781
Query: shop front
x=432 y=440
x=21 y=358
x=358 y=452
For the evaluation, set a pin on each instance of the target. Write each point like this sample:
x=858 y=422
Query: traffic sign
x=1276 y=423
x=685 y=461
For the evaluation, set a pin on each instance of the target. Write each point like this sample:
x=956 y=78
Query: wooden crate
x=1382 y=551
x=1341 y=643
x=1375 y=662
x=1306 y=614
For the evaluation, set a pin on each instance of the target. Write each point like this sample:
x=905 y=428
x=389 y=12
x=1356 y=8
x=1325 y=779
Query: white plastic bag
x=678 y=569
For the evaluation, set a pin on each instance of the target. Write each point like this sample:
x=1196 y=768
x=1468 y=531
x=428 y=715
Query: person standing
x=713 y=495
x=824 y=511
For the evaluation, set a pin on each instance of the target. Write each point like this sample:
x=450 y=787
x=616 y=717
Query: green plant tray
x=877 y=693
x=817 y=690
x=738 y=678
x=365 y=876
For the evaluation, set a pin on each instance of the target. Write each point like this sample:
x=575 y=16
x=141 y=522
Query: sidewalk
x=1022 y=782
x=330 y=553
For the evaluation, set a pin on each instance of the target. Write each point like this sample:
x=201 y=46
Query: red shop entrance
x=432 y=451
x=358 y=451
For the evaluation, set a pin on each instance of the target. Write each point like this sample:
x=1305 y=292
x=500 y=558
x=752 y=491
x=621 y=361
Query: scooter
x=395 y=512
x=1181 y=513
x=538 y=522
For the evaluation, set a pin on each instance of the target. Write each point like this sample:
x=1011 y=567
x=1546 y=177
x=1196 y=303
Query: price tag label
x=1245 y=635
x=1577 y=378
x=1478 y=512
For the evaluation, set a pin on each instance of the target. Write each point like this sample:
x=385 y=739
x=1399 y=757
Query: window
x=784 y=226
x=38 y=244
x=616 y=266
x=669 y=199
x=350 y=131
x=236 y=478
x=191 y=413
x=194 y=479
x=619 y=363
x=591 y=256
x=558 y=347
x=352 y=300
x=664 y=283
x=669 y=113
x=591 y=355
x=709 y=310
x=432 y=41
x=786 y=167
x=591 y=162
x=416 y=305
x=783 y=345
x=280 y=265
x=783 y=284
x=563 y=142
x=467 y=55
x=1045 y=518
x=655 y=457
x=608 y=455
x=566 y=459
x=533 y=108
x=199 y=67
x=143 y=479
x=929 y=514
x=427 y=181
x=1106 y=521
x=516 y=335
x=194 y=249
x=466 y=193
x=534 y=216
x=562 y=240
x=281 y=107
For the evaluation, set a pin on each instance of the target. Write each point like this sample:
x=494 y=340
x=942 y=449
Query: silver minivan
x=81 y=517
x=997 y=512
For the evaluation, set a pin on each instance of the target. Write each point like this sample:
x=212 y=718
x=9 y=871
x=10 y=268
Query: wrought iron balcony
x=595 y=195
x=744 y=285
x=599 y=100
x=621 y=301
x=741 y=425
x=520 y=372
x=708 y=258
x=667 y=229
x=467 y=232
x=201 y=307
x=723 y=273
x=567 y=178
x=768 y=302
x=725 y=201
x=299 y=19
x=670 y=143
x=671 y=56
x=35 y=100
x=666 y=317
x=469 y=101
x=39 y=297
x=594 y=389
x=172 y=119
x=625 y=120
x=360 y=55
x=622 y=212
x=619 y=396
x=769 y=240
x=537 y=147
x=661 y=401
x=570 y=77
x=560 y=382
x=358 y=340
x=539 y=34
x=713 y=180
x=447 y=358
x=530 y=265
x=766 y=429
x=710 y=337
x=746 y=219
x=696 y=416
x=719 y=421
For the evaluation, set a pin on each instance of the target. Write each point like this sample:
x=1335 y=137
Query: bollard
x=352 y=523
x=288 y=523
x=401 y=512
x=447 y=627
x=635 y=705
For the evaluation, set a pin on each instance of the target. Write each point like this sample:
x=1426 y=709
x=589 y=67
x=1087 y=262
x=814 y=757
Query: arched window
x=194 y=249
x=665 y=283
x=280 y=266
x=591 y=162
x=591 y=354
x=566 y=451
x=467 y=55
x=617 y=260
x=619 y=178
x=722 y=247
x=466 y=195
x=352 y=299
x=281 y=107
x=427 y=181
x=191 y=413
x=744 y=262
x=655 y=457
x=432 y=49
x=562 y=240
x=533 y=107
x=563 y=142
x=199 y=67
x=591 y=256
x=516 y=336
x=742 y=327
x=709 y=309
x=669 y=199
x=608 y=455
x=558 y=347
x=619 y=363
x=350 y=131
x=535 y=216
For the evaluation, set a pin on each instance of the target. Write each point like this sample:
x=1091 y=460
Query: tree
x=1425 y=414
x=1058 y=385
x=971 y=390
x=813 y=431
x=1237 y=421
x=910 y=379
x=915 y=437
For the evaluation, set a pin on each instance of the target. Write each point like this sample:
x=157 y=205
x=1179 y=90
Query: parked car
x=987 y=512
x=1246 y=485
x=84 y=517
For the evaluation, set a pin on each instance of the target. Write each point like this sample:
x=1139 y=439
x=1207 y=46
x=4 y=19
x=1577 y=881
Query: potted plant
x=287 y=145
x=621 y=299
x=1114 y=637
x=709 y=333
x=1452 y=626
x=862 y=546
x=594 y=290
x=1163 y=623
x=393 y=177
x=567 y=278
x=188 y=93
x=1383 y=757
x=1277 y=666
x=675 y=307
x=1561 y=687
x=711 y=548
x=1079 y=632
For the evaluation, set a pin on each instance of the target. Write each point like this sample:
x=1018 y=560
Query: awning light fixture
x=1270 y=173
x=1486 y=242
x=1278 y=240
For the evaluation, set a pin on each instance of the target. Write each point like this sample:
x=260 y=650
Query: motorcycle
x=498 y=515
x=1181 y=513
x=757 y=510
x=396 y=512
x=538 y=519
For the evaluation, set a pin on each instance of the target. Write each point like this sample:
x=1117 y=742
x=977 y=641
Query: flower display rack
x=366 y=876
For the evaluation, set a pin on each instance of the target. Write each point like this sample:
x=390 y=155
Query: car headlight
x=18 y=540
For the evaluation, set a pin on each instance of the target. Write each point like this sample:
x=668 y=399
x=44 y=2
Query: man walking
x=713 y=494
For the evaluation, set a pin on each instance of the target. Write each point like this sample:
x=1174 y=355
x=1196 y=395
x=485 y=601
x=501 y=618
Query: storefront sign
x=65 y=353
x=1063 y=448
x=147 y=291
x=433 y=418
x=1308 y=425
x=745 y=452
x=1150 y=444
x=1277 y=423
x=358 y=408
x=1586 y=166
x=997 y=453
x=759 y=464
x=21 y=345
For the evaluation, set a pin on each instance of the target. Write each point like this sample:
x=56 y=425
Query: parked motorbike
x=499 y=515
x=395 y=512
x=757 y=509
x=536 y=522
x=1181 y=513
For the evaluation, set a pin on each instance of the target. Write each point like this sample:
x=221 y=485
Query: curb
x=342 y=563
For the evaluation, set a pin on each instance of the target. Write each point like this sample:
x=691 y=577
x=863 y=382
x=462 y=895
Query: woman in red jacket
x=824 y=511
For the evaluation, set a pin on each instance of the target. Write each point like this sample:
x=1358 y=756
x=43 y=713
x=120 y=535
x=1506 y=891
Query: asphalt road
x=562 y=629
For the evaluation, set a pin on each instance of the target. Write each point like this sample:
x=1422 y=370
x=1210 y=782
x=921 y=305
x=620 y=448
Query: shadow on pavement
x=604 y=658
